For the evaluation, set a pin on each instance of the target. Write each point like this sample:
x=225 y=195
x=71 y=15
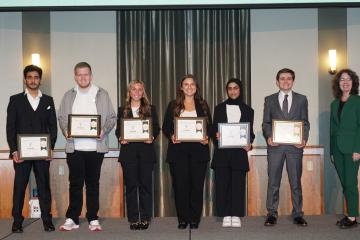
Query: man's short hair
x=32 y=68
x=285 y=70
x=82 y=65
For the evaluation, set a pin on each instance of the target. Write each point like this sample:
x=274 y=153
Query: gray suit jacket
x=298 y=112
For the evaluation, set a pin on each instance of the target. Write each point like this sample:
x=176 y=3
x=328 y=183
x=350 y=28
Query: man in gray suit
x=285 y=105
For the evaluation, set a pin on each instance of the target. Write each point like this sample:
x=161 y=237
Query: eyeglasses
x=345 y=79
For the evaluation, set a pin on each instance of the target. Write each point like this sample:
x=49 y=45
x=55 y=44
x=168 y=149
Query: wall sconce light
x=332 y=61
x=35 y=59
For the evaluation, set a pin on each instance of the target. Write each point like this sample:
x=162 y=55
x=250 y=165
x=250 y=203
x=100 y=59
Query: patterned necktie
x=285 y=107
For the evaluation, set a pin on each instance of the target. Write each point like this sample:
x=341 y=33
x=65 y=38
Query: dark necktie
x=285 y=107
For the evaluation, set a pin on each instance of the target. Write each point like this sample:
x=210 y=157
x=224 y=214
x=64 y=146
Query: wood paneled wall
x=6 y=190
x=312 y=186
x=111 y=189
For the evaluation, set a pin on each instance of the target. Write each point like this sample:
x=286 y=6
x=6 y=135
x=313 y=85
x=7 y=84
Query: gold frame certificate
x=136 y=130
x=234 y=135
x=33 y=146
x=84 y=126
x=287 y=132
x=190 y=129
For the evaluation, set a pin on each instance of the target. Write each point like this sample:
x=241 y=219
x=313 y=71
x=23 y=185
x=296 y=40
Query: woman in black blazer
x=188 y=160
x=231 y=164
x=137 y=158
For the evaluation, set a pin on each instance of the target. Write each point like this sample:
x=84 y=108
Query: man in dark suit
x=285 y=105
x=31 y=112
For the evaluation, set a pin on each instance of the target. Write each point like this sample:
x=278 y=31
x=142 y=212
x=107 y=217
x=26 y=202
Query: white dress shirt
x=282 y=97
x=34 y=102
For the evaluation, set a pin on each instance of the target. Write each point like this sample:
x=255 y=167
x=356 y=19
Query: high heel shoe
x=143 y=225
x=134 y=225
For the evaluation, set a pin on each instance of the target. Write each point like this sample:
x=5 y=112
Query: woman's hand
x=247 y=147
x=217 y=135
x=174 y=141
x=205 y=141
x=122 y=141
x=149 y=141
x=355 y=156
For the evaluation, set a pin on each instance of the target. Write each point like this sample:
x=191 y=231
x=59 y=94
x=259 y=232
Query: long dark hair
x=180 y=97
x=145 y=108
x=355 y=83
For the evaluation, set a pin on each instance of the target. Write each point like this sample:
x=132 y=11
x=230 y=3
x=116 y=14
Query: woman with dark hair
x=137 y=158
x=345 y=140
x=188 y=160
x=231 y=164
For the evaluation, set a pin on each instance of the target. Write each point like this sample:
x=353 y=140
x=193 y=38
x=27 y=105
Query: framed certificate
x=136 y=130
x=33 y=146
x=190 y=129
x=234 y=135
x=287 y=132
x=84 y=126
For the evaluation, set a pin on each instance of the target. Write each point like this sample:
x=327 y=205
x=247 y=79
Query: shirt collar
x=38 y=96
x=282 y=94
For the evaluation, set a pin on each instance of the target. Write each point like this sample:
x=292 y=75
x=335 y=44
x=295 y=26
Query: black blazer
x=174 y=150
x=236 y=158
x=129 y=151
x=22 y=119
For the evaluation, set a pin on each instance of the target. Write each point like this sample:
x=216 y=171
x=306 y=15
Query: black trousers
x=84 y=167
x=138 y=183
x=22 y=173
x=230 y=192
x=188 y=182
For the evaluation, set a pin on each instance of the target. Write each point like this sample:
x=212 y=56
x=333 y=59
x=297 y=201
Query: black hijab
x=238 y=100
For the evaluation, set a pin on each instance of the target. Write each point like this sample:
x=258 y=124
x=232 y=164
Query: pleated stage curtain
x=160 y=46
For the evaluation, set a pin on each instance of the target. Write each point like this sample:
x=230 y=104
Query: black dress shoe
x=16 y=227
x=347 y=223
x=194 y=225
x=143 y=225
x=270 y=221
x=300 y=221
x=134 y=225
x=182 y=225
x=341 y=221
x=48 y=226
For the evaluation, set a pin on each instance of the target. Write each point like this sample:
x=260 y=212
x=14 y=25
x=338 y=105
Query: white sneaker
x=94 y=225
x=235 y=222
x=226 y=221
x=69 y=225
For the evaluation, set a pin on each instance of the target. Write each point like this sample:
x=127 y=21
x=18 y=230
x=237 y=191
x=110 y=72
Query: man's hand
x=301 y=145
x=15 y=157
x=270 y=142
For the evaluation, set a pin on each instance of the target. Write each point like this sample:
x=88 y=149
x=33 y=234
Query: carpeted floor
x=320 y=228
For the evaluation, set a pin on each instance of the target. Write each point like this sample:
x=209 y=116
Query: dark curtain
x=160 y=46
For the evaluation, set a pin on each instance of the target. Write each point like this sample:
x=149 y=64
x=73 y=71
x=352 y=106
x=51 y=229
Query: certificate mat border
x=203 y=119
x=97 y=116
x=247 y=124
x=288 y=143
x=136 y=119
x=19 y=136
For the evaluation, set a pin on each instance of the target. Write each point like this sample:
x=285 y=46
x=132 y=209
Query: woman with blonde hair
x=138 y=158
